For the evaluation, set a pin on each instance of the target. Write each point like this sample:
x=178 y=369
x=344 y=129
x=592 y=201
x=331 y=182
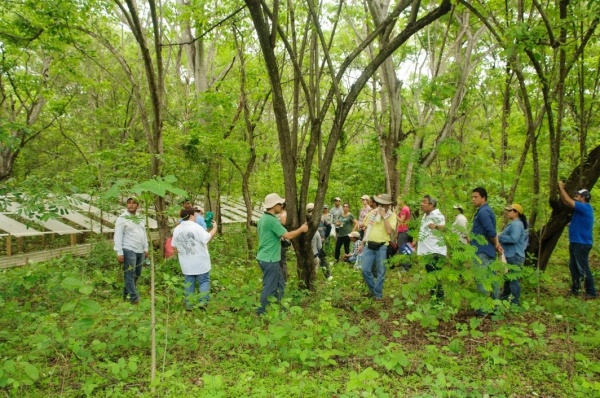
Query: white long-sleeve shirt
x=130 y=234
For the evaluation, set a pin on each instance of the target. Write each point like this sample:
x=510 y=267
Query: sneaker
x=589 y=297
x=330 y=278
x=135 y=302
x=368 y=294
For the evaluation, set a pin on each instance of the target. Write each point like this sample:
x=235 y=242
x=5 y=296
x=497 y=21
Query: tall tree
x=269 y=23
x=542 y=38
x=34 y=72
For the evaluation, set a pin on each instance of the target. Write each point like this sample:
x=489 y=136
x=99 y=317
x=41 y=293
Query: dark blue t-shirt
x=484 y=224
x=580 y=230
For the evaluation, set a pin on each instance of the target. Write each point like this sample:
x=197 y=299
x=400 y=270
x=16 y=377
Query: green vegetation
x=64 y=331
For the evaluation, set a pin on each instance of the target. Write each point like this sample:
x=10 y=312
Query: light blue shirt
x=514 y=239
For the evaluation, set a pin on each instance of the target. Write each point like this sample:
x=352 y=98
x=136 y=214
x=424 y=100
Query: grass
x=65 y=331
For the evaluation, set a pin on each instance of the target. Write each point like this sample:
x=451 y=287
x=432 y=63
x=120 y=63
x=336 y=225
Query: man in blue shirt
x=485 y=240
x=580 y=241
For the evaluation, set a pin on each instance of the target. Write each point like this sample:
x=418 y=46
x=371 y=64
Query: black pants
x=434 y=263
x=342 y=240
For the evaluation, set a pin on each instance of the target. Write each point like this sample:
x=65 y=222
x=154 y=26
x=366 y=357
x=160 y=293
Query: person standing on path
x=131 y=245
x=403 y=219
x=346 y=223
x=191 y=241
x=514 y=240
x=380 y=222
x=460 y=225
x=486 y=242
x=431 y=244
x=270 y=232
x=580 y=241
x=363 y=213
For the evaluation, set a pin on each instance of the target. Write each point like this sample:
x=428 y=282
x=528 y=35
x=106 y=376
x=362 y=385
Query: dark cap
x=585 y=193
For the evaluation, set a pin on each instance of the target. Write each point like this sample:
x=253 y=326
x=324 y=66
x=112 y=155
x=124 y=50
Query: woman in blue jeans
x=514 y=240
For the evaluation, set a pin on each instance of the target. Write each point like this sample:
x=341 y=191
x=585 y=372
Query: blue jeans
x=132 y=269
x=483 y=273
x=512 y=284
x=203 y=281
x=379 y=256
x=273 y=284
x=580 y=268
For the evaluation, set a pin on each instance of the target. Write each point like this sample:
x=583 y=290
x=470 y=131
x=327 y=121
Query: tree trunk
x=269 y=32
x=543 y=241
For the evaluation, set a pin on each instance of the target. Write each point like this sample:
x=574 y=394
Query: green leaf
x=89 y=307
x=71 y=283
x=87 y=290
x=30 y=370
x=82 y=325
x=132 y=366
x=68 y=307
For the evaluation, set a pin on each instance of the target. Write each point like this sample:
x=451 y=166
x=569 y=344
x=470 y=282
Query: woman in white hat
x=459 y=226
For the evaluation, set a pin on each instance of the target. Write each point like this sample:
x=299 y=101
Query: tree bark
x=543 y=241
x=288 y=143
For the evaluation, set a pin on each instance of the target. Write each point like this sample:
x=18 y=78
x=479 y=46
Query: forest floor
x=65 y=331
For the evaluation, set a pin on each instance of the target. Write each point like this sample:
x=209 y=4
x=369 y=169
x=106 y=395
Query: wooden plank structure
x=83 y=217
x=16 y=229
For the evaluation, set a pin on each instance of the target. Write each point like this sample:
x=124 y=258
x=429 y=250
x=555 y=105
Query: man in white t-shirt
x=190 y=240
x=431 y=243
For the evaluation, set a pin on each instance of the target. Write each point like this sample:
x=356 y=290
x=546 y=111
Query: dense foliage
x=65 y=331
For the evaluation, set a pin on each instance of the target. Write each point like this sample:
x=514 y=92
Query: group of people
x=190 y=241
x=378 y=227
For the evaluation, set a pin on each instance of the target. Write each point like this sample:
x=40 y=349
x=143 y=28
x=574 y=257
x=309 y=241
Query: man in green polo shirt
x=270 y=232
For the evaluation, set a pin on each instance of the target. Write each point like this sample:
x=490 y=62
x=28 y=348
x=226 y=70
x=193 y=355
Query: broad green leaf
x=89 y=307
x=87 y=290
x=82 y=325
x=71 y=283
x=68 y=307
x=30 y=370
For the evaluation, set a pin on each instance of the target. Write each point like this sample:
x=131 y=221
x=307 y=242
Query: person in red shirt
x=403 y=218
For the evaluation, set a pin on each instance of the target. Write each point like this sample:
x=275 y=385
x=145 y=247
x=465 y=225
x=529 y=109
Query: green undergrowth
x=65 y=331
